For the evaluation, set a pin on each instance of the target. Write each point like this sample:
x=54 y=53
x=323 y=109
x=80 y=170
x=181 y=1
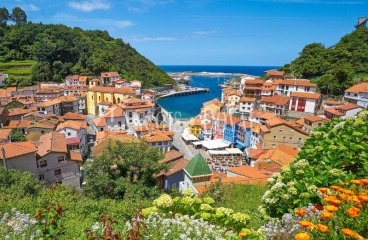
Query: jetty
x=187 y=91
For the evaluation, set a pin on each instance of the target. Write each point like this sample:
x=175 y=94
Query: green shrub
x=336 y=152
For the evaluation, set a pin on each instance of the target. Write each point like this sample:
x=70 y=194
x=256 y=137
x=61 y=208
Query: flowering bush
x=198 y=209
x=344 y=213
x=15 y=225
x=324 y=160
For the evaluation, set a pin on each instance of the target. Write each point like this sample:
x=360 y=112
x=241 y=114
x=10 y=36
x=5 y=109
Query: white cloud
x=145 y=39
x=97 y=21
x=87 y=6
x=33 y=7
x=204 y=32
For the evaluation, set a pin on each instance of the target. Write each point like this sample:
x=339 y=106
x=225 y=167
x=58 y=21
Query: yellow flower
x=348 y=232
x=305 y=223
x=322 y=228
x=330 y=208
x=300 y=212
x=326 y=215
x=242 y=234
x=302 y=236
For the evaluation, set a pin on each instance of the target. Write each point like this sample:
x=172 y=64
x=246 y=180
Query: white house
x=115 y=118
x=344 y=111
x=75 y=133
x=149 y=95
x=247 y=105
x=99 y=124
x=21 y=156
x=137 y=86
x=55 y=163
x=49 y=107
x=305 y=102
x=159 y=139
x=108 y=77
x=102 y=107
x=121 y=83
x=286 y=87
x=275 y=104
x=357 y=94
x=137 y=112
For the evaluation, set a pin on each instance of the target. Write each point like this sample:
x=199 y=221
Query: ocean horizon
x=188 y=106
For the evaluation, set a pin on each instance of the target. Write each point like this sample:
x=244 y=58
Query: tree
x=4 y=16
x=17 y=136
x=124 y=171
x=18 y=16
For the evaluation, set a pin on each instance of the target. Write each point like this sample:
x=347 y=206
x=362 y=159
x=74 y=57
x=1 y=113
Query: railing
x=185 y=185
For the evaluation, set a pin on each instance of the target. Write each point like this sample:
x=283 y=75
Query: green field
x=17 y=69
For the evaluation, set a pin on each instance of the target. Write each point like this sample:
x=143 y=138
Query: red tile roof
x=359 y=88
x=74 y=116
x=247 y=99
x=15 y=149
x=295 y=82
x=75 y=156
x=52 y=142
x=276 y=99
x=349 y=106
x=73 y=140
x=251 y=172
x=121 y=90
x=18 y=111
x=316 y=118
x=4 y=134
x=306 y=95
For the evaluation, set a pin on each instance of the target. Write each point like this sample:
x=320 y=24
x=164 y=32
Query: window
x=57 y=172
x=159 y=143
x=291 y=138
x=355 y=95
x=284 y=139
x=41 y=177
x=107 y=99
x=130 y=114
x=101 y=129
x=300 y=139
x=99 y=98
x=42 y=131
x=274 y=137
x=92 y=97
x=69 y=134
x=43 y=109
x=119 y=124
x=61 y=159
x=273 y=145
x=43 y=163
x=280 y=129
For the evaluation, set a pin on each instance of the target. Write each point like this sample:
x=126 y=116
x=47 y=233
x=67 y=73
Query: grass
x=17 y=69
x=243 y=198
x=14 y=63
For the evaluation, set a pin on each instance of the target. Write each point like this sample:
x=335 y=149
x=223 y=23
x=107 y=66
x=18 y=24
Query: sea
x=188 y=106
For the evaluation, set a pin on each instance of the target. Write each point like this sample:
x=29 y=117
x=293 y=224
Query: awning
x=215 y=144
x=215 y=152
x=239 y=146
x=197 y=143
x=233 y=150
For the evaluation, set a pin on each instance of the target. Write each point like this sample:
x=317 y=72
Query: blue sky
x=205 y=32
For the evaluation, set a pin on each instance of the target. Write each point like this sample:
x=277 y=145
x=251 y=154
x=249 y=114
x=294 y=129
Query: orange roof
x=306 y=95
x=156 y=137
x=48 y=103
x=99 y=122
x=359 y=88
x=251 y=172
x=295 y=82
x=74 y=116
x=268 y=115
x=98 y=149
x=349 y=106
x=76 y=125
x=52 y=142
x=67 y=99
x=263 y=128
x=18 y=124
x=214 y=101
x=4 y=93
x=42 y=125
x=220 y=115
x=245 y=124
x=276 y=99
x=4 y=134
x=195 y=122
x=135 y=104
x=247 y=99
x=237 y=93
x=206 y=126
x=114 y=111
x=300 y=122
x=106 y=133
x=18 y=111
x=171 y=155
x=274 y=121
x=334 y=111
x=15 y=149
x=291 y=150
x=109 y=74
x=105 y=103
x=275 y=73
x=277 y=156
x=333 y=102
x=75 y=156
x=255 y=153
x=176 y=166
x=82 y=78
x=121 y=90
x=254 y=81
x=316 y=118
x=232 y=120
x=134 y=100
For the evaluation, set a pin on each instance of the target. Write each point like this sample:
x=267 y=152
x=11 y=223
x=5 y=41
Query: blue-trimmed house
x=230 y=129
x=243 y=135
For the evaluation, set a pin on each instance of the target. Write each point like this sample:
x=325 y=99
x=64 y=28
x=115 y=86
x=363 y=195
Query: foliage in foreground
x=243 y=198
x=344 y=214
x=334 y=153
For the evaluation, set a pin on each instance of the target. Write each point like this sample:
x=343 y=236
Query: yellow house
x=195 y=126
x=106 y=94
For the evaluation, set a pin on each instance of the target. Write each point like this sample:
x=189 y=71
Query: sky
x=207 y=32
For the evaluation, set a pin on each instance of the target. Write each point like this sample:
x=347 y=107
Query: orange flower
x=242 y=234
x=323 y=190
x=326 y=215
x=305 y=223
x=300 y=212
x=302 y=236
x=330 y=208
x=335 y=202
x=335 y=188
x=329 y=199
x=353 y=212
x=356 y=182
x=343 y=196
x=364 y=181
x=322 y=228
x=348 y=232
x=363 y=198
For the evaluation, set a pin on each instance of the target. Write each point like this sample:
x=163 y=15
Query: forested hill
x=60 y=50
x=335 y=68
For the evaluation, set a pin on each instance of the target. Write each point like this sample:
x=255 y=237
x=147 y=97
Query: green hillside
x=334 y=68
x=49 y=52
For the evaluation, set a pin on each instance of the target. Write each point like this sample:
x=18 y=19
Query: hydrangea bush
x=336 y=152
x=199 y=209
